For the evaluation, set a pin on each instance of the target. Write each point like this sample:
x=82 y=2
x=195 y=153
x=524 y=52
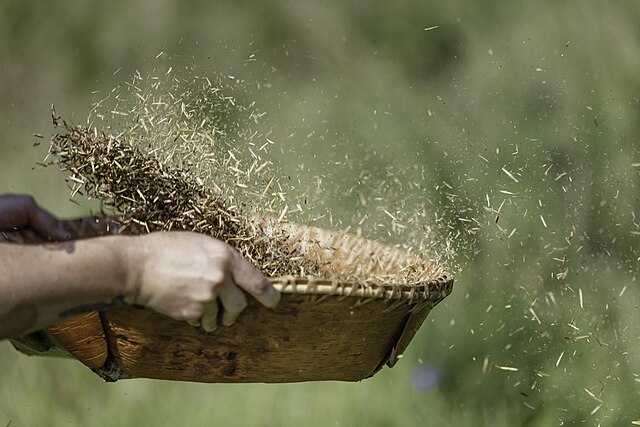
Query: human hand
x=182 y=274
x=18 y=211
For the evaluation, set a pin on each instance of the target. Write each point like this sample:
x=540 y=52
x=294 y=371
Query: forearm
x=179 y=274
x=40 y=283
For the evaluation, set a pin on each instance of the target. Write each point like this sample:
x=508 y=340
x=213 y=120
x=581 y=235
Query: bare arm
x=40 y=283
x=179 y=274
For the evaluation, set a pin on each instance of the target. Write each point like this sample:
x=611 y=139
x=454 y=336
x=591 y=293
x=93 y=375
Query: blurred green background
x=517 y=126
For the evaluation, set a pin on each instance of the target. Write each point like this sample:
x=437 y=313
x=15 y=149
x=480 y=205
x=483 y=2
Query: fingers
x=194 y=323
x=23 y=210
x=238 y=272
x=209 y=318
x=18 y=211
x=192 y=277
x=251 y=280
x=233 y=302
x=46 y=224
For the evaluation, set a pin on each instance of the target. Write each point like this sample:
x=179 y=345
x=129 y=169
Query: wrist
x=132 y=252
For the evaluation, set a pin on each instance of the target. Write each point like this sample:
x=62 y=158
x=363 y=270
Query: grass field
x=513 y=127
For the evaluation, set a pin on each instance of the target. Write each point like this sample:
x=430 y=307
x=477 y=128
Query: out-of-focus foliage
x=512 y=127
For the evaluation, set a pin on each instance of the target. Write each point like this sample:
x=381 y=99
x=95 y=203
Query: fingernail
x=228 y=319
x=209 y=327
x=194 y=323
x=272 y=297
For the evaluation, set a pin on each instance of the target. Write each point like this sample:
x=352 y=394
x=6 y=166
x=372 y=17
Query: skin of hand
x=182 y=274
x=17 y=211
x=179 y=274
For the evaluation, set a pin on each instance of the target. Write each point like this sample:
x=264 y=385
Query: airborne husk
x=150 y=196
x=178 y=165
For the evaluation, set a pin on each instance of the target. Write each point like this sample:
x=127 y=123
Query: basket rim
x=431 y=290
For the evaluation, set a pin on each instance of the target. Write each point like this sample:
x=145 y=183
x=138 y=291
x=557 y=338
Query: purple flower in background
x=425 y=378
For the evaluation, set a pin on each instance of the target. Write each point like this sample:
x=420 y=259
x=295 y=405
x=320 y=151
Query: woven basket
x=322 y=329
